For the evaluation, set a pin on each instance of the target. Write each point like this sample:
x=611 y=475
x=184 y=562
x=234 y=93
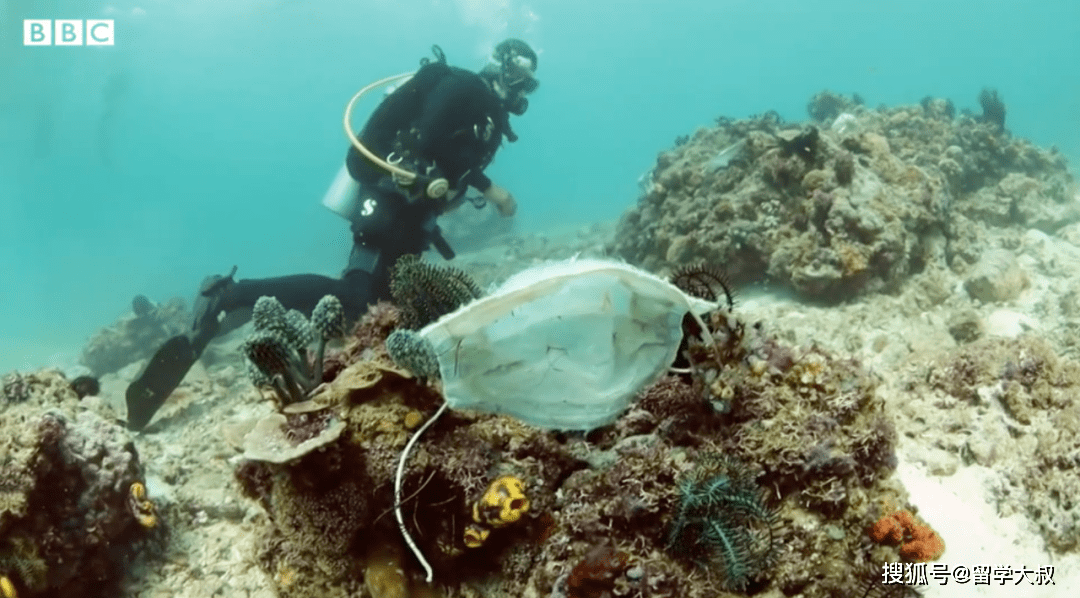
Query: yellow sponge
x=503 y=503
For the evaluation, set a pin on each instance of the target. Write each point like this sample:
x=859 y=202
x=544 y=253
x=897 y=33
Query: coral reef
x=501 y=508
x=852 y=207
x=66 y=474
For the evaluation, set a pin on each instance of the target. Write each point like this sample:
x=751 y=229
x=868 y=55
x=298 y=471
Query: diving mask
x=518 y=75
x=516 y=63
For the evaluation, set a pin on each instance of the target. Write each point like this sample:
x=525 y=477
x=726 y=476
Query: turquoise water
x=206 y=136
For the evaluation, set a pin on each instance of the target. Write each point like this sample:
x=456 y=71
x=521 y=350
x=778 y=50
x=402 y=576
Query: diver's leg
x=302 y=292
x=167 y=368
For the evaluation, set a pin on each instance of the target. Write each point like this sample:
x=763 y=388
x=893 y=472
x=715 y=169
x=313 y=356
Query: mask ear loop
x=706 y=336
x=398 y=478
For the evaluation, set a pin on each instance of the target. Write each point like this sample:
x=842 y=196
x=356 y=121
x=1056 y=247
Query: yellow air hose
x=405 y=175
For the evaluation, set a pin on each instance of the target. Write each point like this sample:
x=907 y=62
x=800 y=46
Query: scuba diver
x=426 y=143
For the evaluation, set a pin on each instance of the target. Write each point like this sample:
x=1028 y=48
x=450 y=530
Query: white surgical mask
x=563 y=346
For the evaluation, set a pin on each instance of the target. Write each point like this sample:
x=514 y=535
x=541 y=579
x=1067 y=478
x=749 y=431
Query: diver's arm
x=478 y=180
x=503 y=200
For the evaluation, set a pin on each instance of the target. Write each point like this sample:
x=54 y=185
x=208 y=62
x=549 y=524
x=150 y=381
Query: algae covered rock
x=66 y=477
x=1023 y=399
x=997 y=277
x=834 y=211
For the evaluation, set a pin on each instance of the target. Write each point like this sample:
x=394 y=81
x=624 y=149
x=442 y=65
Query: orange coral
x=917 y=541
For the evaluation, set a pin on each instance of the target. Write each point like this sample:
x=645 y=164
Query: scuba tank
x=343 y=196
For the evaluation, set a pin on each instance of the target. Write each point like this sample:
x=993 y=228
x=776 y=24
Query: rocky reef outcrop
x=855 y=200
x=72 y=500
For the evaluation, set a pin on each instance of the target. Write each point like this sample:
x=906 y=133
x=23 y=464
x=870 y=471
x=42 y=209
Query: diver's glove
x=502 y=199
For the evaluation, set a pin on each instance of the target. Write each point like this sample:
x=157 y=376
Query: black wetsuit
x=444 y=122
x=443 y=117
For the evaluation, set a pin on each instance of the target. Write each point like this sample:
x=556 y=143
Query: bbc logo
x=67 y=32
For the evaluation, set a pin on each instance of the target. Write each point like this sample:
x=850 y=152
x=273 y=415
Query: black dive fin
x=158 y=379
